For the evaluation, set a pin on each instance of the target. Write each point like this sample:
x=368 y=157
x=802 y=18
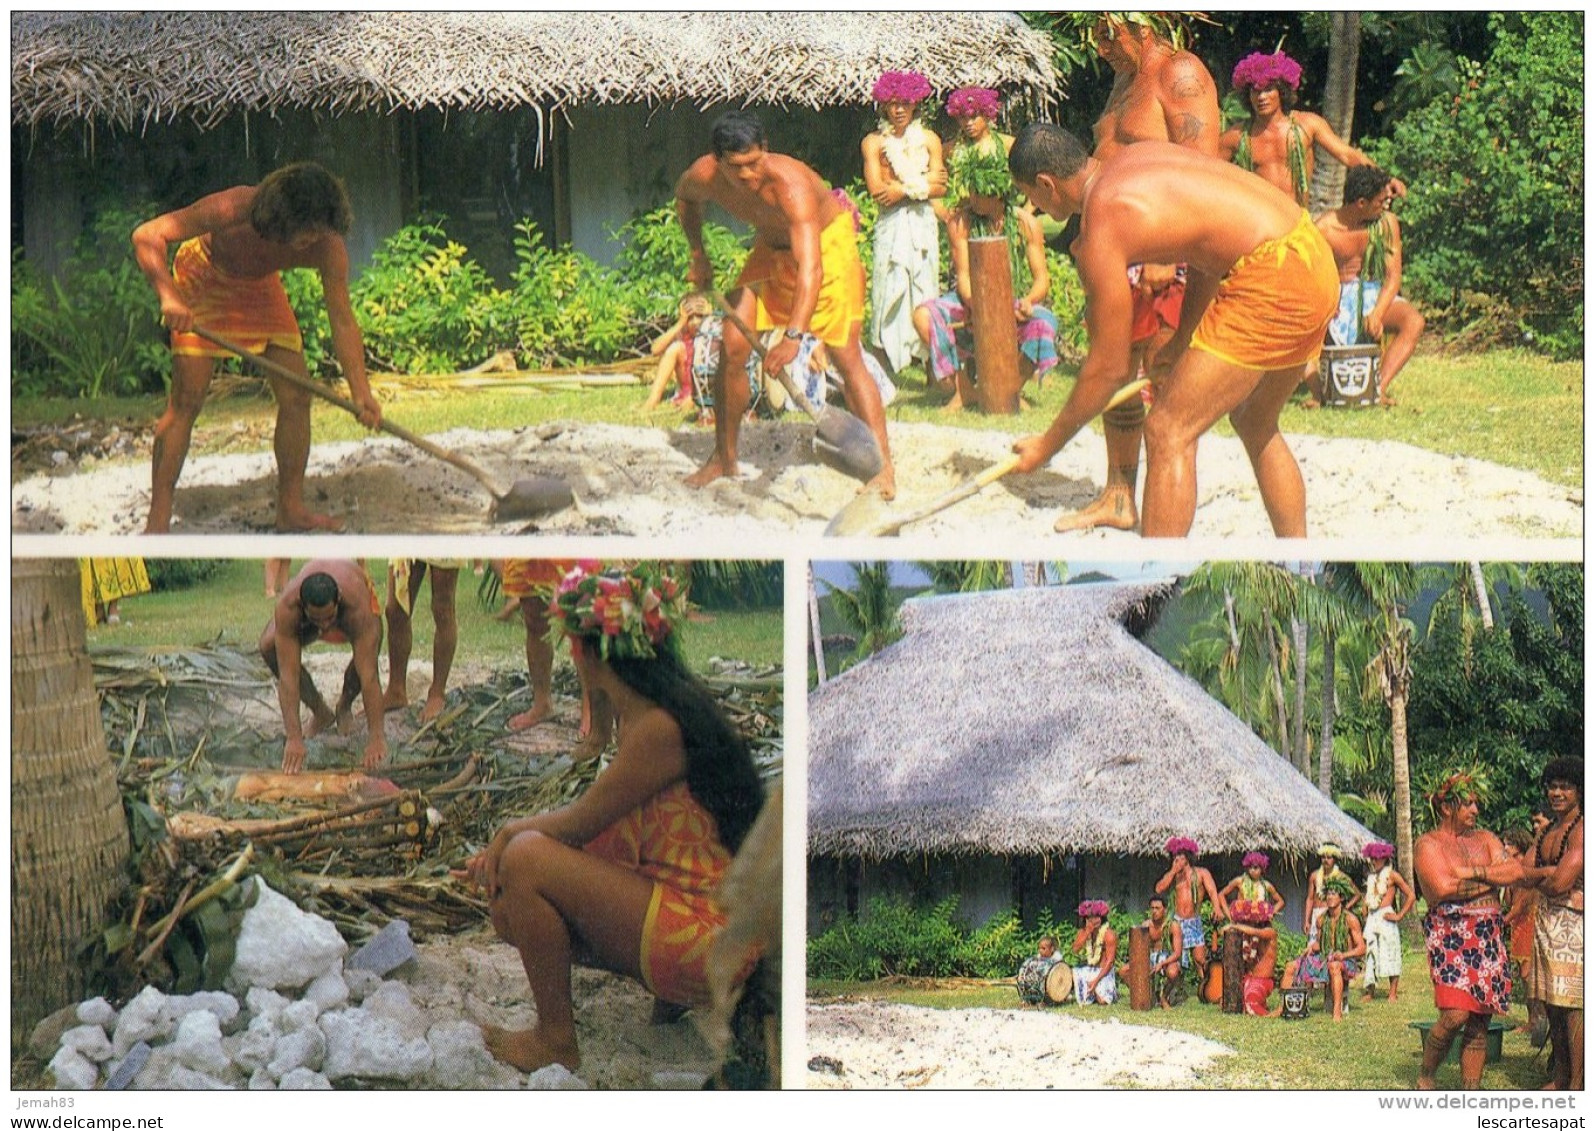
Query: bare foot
x=1425 y=1084
x=319 y=721
x=526 y=720
x=395 y=699
x=589 y=748
x=433 y=707
x=289 y=522
x=711 y=471
x=955 y=404
x=1114 y=508
x=529 y=1049
x=346 y=722
x=1311 y=403
x=1386 y=402
x=376 y=754
x=884 y=484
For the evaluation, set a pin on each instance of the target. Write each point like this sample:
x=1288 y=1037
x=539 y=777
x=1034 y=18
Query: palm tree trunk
x=1481 y=594
x=1276 y=686
x=1326 y=717
x=1340 y=99
x=68 y=836
x=1401 y=777
x=814 y=629
x=1298 y=742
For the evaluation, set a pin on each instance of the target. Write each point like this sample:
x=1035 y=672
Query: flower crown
x=1179 y=844
x=1258 y=71
x=1458 y=783
x=1097 y=908
x=1260 y=859
x=901 y=86
x=630 y=613
x=968 y=101
x=1378 y=850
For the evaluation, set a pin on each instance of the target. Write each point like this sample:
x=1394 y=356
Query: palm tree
x=1382 y=590
x=68 y=835
x=815 y=638
x=1340 y=98
x=1258 y=598
x=867 y=607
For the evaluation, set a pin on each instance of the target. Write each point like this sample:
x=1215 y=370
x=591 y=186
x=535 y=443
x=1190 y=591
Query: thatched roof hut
x=136 y=68
x=575 y=120
x=1033 y=721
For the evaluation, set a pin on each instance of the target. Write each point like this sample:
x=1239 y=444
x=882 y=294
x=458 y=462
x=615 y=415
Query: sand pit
x=627 y=482
x=882 y=1045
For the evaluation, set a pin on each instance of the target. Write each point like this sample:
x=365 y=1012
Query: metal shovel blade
x=532 y=498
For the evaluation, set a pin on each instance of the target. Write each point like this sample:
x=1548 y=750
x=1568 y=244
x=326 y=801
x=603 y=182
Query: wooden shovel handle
x=785 y=378
x=316 y=389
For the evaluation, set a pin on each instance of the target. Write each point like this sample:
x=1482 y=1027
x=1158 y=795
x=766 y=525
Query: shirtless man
x=1095 y=947
x=1192 y=886
x=1277 y=141
x=1167 y=949
x=1366 y=239
x=803 y=274
x=1263 y=287
x=232 y=247
x=1160 y=93
x=333 y=601
x=1461 y=869
x=1556 y=868
x=1333 y=956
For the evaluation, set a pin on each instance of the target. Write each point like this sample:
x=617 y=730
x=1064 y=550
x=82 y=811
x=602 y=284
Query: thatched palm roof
x=1033 y=721
x=141 y=67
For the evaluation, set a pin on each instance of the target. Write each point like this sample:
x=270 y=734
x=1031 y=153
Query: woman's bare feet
x=1114 y=508
x=395 y=699
x=530 y=1049
x=433 y=707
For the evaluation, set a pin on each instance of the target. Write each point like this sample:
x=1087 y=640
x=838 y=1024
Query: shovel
x=862 y=517
x=838 y=433
x=528 y=498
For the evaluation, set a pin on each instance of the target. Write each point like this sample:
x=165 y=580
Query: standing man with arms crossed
x=803 y=274
x=1461 y=869
x=1556 y=867
x=232 y=247
x=1160 y=93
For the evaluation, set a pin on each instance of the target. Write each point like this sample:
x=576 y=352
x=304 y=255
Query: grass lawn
x=1371 y=1049
x=1506 y=406
x=230 y=607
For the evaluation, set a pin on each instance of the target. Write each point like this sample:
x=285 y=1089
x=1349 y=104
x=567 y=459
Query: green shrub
x=93 y=330
x=997 y=949
x=167 y=574
x=1494 y=217
x=424 y=306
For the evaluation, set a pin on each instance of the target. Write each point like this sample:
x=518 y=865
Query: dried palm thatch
x=1066 y=735
x=139 y=68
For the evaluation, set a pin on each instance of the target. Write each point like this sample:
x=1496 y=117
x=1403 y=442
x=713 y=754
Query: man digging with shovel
x=803 y=275
x=231 y=249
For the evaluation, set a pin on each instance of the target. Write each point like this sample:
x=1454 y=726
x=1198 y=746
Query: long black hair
x=720 y=770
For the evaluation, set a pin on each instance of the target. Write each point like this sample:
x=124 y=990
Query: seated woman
x=1332 y=956
x=674 y=349
x=627 y=874
x=984 y=187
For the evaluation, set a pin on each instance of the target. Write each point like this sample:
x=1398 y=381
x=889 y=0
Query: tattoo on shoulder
x=1187 y=85
x=1184 y=128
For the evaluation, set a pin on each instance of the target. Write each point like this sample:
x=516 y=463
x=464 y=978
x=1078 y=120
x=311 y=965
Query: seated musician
x=984 y=190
